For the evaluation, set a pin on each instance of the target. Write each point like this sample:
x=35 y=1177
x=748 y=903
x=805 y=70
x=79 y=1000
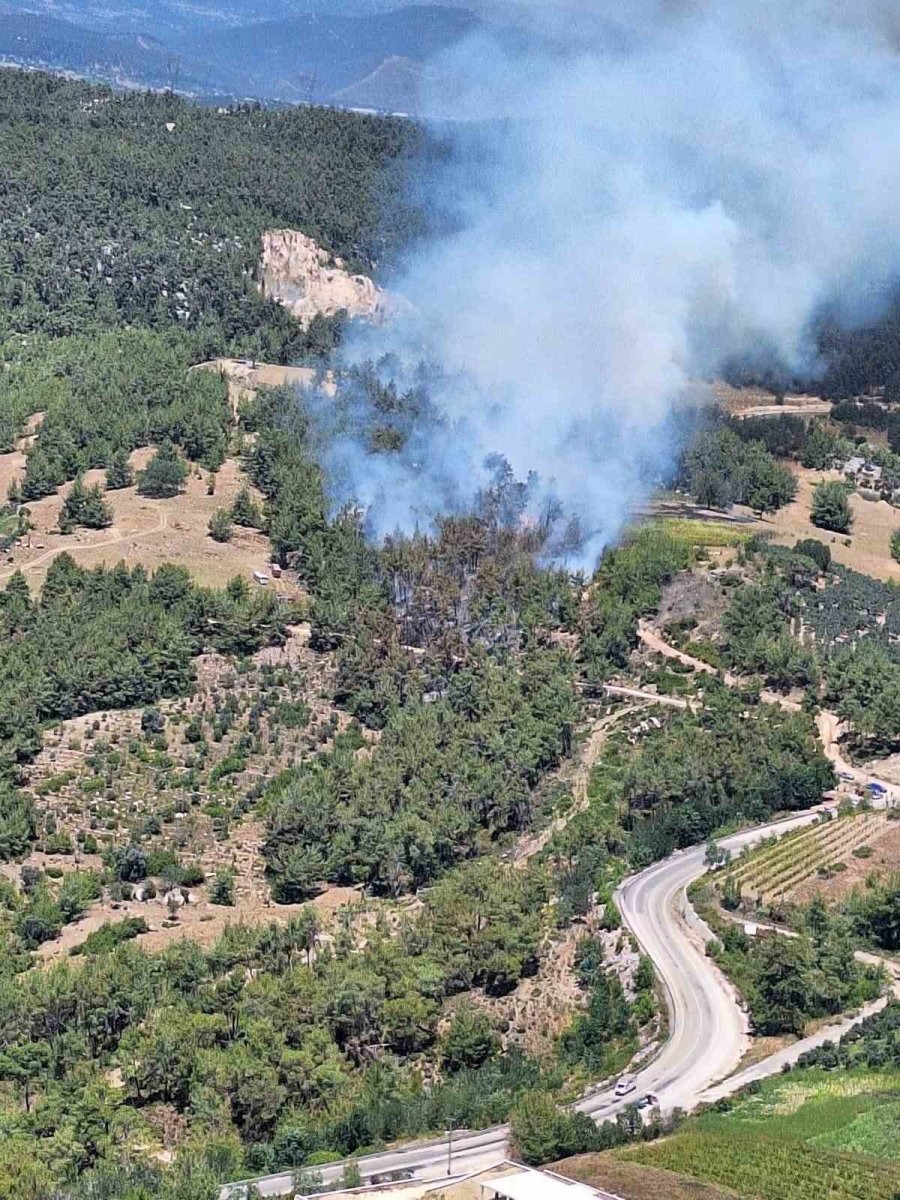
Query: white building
x=526 y=1183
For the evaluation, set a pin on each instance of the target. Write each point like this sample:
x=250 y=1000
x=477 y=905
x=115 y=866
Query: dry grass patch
x=873 y=523
x=149 y=532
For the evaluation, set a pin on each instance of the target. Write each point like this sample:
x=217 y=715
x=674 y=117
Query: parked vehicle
x=648 y=1101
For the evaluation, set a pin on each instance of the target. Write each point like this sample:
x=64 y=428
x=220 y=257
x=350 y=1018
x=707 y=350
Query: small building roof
x=527 y=1184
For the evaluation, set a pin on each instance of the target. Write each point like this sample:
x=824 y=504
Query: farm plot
x=775 y=871
x=803 y=1136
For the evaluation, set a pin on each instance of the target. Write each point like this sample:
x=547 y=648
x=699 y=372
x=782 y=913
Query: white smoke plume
x=627 y=217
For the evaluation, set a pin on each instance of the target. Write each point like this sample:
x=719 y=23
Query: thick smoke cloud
x=631 y=210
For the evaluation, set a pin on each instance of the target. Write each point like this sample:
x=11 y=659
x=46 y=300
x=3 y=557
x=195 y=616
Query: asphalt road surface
x=708 y=1028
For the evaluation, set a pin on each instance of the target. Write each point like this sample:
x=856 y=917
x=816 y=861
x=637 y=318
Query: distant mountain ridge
x=306 y=57
x=395 y=84
x=36 y=40
x=361 y=53
x=328 y=54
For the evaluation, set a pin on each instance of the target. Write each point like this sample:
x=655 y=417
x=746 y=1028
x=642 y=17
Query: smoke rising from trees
x=626 y=215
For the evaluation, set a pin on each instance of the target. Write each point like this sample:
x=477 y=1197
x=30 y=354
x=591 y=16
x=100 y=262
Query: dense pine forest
x=144 y=209
x=462 y=669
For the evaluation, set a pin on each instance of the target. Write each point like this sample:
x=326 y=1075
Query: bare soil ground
x=246 y=377
x=149 y=532
x=198 y=921
x=694 y=595
x=885 y=768
x=873 y=523
x=759 y=401
x=632 y=1181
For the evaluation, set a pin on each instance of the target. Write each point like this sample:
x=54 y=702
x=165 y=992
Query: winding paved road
x=708 y=1026
x=708 y=1029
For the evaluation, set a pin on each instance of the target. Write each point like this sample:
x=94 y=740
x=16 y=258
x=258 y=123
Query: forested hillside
x=415 y=763
x=128 y=243
x=141 y=208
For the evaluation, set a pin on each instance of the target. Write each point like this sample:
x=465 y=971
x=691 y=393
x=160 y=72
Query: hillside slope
x=335 y=52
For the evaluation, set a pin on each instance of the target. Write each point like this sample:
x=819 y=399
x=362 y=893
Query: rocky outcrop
x=303 y=277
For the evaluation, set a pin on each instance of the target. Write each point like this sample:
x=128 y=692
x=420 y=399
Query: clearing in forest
x=149 y=532
x=756 y=401
x=246 y=376
x=873 y=523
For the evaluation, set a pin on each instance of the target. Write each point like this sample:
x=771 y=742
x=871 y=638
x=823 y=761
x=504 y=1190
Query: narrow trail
x=77 y=547
x=529 y=846
x=828 y=724
x=653 y=641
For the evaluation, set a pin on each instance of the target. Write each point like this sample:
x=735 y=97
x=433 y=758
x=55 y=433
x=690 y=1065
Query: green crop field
x=701 y=532
x=803 y=1136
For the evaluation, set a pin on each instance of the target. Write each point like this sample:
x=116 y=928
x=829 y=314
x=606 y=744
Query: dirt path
x=821 y=408
x=830 y=728
x=626 y=693
x=653 y=641
x=531 y=845
x=161 y=524
x=827 y=723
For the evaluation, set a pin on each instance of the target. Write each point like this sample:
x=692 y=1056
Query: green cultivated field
x=804 y=1136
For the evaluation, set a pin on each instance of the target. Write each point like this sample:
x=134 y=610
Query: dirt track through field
x=76 y=547
x=828 y=724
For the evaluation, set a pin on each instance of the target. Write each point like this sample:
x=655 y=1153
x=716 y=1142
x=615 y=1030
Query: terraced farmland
x=774 y=871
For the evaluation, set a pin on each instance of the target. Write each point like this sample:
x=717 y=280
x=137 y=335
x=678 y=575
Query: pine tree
x=245 y=511
x=84 y=506
x=164 y=475
x=220 y=529
x=831 y=508
x=119 y=473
